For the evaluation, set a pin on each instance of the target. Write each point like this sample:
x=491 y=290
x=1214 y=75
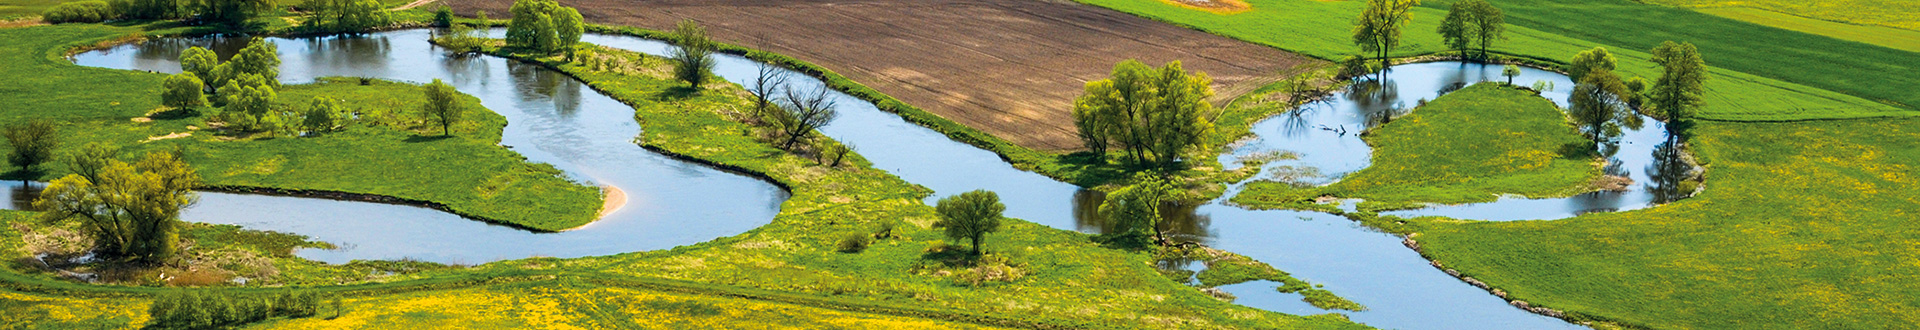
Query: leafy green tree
x=131 y=210
x=320 y=115
x=32 y=143
x=568 y=27
x=362 y=15
x=91 y=11
x=970 y=215
x=1472 y=23
x=1135 y=208
x=1678 y=94
x=481 y=16
x=1377 y=30
x=184 y=90
x=1156 y=114
x=1593 y=59
x=693 y=57
x=532 y=27
x=443 y=17
x=150 y=9
x=443 y=106
x=1510 y=71
x=250 y=96
x=1596 y=106
x=231 y=12
x=201 y=62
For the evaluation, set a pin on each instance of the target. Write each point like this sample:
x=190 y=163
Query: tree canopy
x=693 y=53
x=970 y=215
x=1135 y=209
x=1678 y=93
x=1377 y=30
x=543 y=26
x=184 y=90
x=347 y=15
x=231 y=12
x=1593 y=59
x=131 y=210
x=32 y=143
x=442 y=107
x=1472 y=23
x=1157 y=115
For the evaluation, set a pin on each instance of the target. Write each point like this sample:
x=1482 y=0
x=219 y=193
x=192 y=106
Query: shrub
x=885 y=231
x=80 y=12
x=855 y=242
x=443 y=17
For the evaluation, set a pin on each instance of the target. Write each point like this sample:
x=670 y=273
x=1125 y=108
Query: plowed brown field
x=1007 y=67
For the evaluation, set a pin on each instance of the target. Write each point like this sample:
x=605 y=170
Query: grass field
x=1759 y=73
x=1803 y=225
x=1471 y=145
x=1902 y=39
x=1893 y=13
x=24 y=8
x=472 y=174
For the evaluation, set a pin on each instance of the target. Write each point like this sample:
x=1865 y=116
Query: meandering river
x=555 y=119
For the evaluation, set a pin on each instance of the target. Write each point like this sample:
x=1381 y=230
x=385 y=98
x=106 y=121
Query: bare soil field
x=1007 y=67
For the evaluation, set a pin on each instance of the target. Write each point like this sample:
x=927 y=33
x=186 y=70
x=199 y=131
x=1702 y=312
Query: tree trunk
x=976 y=245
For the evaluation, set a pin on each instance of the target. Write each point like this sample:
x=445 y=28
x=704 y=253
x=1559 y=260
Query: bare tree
x=802 y=112
x=771 y=79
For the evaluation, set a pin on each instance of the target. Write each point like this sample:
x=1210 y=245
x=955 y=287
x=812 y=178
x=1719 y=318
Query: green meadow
x=1902 y=39
x=1891 y=13
x=1804 y=225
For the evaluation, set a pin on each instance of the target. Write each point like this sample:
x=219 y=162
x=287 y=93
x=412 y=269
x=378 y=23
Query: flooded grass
x=1468 y=146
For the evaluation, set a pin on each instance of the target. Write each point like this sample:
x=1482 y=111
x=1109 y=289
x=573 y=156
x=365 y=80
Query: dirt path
x=1007 y=67
x=411 y=5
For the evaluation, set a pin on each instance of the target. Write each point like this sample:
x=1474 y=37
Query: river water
x=556 y=120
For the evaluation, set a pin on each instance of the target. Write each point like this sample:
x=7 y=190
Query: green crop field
x=1804 y=225
x=1752 y=77
x=1903 y=14
x=1471 y=145
x=1902 y=39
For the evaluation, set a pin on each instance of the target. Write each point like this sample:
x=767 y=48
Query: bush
x=80 y=12
x=885 y=231
x=215 y=308
x=855 y=242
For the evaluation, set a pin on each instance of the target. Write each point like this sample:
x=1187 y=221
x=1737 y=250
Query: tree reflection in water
x=1673 y=175
x=1179 y=221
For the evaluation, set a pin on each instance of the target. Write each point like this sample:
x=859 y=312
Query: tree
x=319 y=116
x=91 y=11
x=443 y=17
x=1473 y=23
x=1596 y=107
x=1510 y=71
x=184 y=90
x=568 y=27
x=1489 y=22
x=32 y=143
x=201 y=63
x=442 y=107
x=970 y=215
x=1593 y=59
x=149 y=9
x=693 y=56
x=361 y=15
x=1136 y=208
x=1155 y=114
x=231 y=12
x=131 y=210
x=248 y=95
x=481 y=16
x=259 y=58
x=1378 y=28
x=802 y=112
x=769 y=80
x=532 y=26
x=1678 y=93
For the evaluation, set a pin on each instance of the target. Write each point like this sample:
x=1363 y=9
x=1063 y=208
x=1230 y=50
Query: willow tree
x=131 y=210
x=1157 y=115
x=568 y=26
x=1135 y=209
x=1596 y=106
x=1377 y=30
x=692 y=54
x=1591 y=60
x=532 y=26
x=1678 y=94
x=183 y=90
x=31 y=144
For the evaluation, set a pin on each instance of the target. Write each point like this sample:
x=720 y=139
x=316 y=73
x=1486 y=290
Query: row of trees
x=1154 y=115
x=1602 y=103
x=345 y=15
x=1469 y=24
x=207 y=309
x=227 y=12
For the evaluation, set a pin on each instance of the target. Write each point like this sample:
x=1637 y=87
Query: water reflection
x=1673 y=175
x=22 y=194
x=1179 y=221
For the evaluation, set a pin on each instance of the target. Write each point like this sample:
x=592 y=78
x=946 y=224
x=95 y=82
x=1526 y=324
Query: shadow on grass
x=677 y=93
x=427 y=138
